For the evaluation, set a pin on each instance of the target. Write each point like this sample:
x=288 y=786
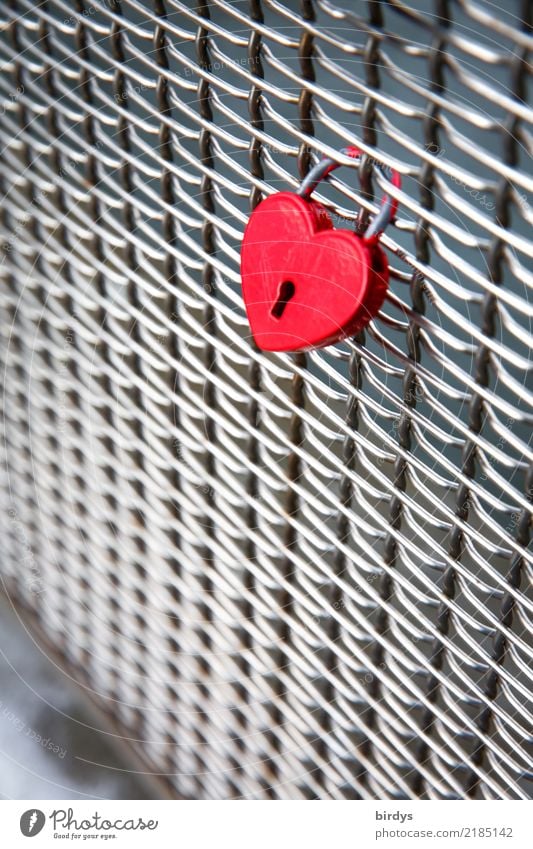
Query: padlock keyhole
x=285 y=293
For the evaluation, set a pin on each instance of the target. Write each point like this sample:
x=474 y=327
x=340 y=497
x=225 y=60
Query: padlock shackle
x=389 y=205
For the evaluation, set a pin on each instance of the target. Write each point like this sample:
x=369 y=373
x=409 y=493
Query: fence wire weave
x=283 y=576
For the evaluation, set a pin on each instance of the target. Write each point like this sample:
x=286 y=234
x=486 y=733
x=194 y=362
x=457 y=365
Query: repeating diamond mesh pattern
x=282 y=576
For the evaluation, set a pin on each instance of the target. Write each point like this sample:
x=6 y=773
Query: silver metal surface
x=284 y=577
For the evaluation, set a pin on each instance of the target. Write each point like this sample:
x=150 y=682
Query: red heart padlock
x=305 y=284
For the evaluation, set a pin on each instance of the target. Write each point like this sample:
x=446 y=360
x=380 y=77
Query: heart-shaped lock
x=306 y=284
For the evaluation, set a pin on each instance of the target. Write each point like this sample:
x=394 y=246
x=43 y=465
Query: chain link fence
x=283 y=577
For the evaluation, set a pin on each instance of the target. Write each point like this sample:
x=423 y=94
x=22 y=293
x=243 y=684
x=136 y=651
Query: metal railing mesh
x=283 y=576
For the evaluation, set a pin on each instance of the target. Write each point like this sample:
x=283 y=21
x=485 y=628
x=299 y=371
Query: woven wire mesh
x=283 y=576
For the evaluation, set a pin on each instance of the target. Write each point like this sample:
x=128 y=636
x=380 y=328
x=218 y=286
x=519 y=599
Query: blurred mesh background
x=284 y=577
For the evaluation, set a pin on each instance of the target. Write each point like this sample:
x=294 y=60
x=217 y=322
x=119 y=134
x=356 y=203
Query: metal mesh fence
x=283 y=576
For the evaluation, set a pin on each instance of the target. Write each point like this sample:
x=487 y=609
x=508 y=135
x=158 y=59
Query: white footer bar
x=267 y=825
